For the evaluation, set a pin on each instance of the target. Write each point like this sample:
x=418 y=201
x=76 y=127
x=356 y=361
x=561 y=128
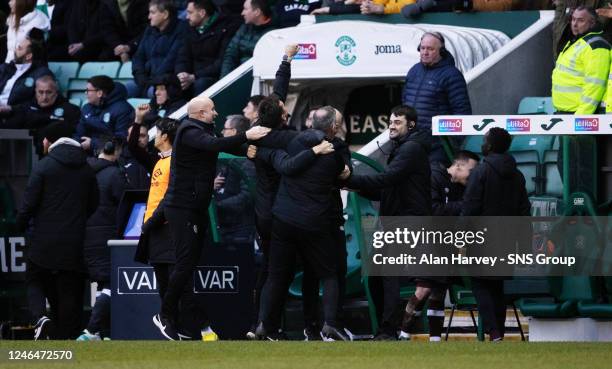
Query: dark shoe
x=263 y=335
x=329 y=333
x=310 y=333
x=166 y=328
x=384 y=336
x=42 y=329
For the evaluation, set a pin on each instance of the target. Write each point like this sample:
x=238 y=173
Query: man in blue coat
x=106 y=114
x=434 y=86
x=158 y=48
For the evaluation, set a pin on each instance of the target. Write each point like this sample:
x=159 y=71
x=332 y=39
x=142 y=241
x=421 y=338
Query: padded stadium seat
x=553 y=185
x=536 y=105
x=539 y=144
x=527 y=162
x=76 y=101
x=64 y=71
x=566 y=292
x=473 y=143
x=137 y=101
x=125 y=73
x=598 y=310
x=91 y=69
x=78 y=95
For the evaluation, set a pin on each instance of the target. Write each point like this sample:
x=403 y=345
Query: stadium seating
x=536 y=105
x=64 y=71
x=134 y=101
x=88 y=70
x=125 y=73
x=76 y=101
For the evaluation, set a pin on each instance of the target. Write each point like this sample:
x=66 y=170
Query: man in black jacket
x=199 y=60
x=495 y=188
x=302 y=211
x=123 y=22
x=403 y=189
x=48 y=106
x=447 y=187
x=17 y=78
x=192 y=172
x=57 y=211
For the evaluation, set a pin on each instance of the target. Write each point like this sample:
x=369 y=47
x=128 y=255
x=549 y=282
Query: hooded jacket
x=102 y=225
x=109 y=119
x=174 y=102
x=404 y=188
x=61 y=194
x=496 y=188
x=436 y=90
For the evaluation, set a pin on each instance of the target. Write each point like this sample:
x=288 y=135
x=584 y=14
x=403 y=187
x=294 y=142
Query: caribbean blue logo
x=106 y=117
x=345 y=53
x=29 y=82
x=59 y=112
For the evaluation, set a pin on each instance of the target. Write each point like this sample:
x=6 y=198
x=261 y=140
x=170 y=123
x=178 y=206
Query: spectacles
x=92 y=90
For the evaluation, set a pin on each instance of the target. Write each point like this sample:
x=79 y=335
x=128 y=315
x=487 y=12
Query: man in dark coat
x=495 y=188
x=107 y=113
x=18 y=77
x=85 y=34
x=123 y=22
x=158 y=49
x=434 y=86
x=57 y=210
x=403 y=189
x=48 y=106
x=199 y=61
x=192 y=173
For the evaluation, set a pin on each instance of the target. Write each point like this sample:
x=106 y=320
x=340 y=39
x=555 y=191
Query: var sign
x=136 y=281
x=216 y=279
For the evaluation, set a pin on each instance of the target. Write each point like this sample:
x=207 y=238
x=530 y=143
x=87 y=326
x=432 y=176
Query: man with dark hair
x=403 y=189
x=107 y=113
x=250 y=109
x=18 y=77
x=447 y=187
x=192 y=172
x=158 y=49
x=232 y=193
x=301 y=224
x=61 y=194
x=199 y=61
x=495 y=188
x=46 y=107
x=434 y=86
x=257 y=22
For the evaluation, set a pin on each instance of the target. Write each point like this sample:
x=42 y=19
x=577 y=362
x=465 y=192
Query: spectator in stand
x=363 y=7
x=123 y=23
x=157 y=52
x=231 y=191
x=57 y=43
x=199 y=61
x=434 y=86
x=101 y=227
x=257 y=21
x=168 y=99
x=24 y=16
x=61 y=194
x=106 y=114
x=17 y=78
x=85 y=34
x=338 y=7
x=288 y=12
x=433 y=6
x=46 y=107
x=250 y=109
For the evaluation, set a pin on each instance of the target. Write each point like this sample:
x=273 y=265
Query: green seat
x=134 y=101
x=536 y=105
x=553 y=185
x=565 y=291
x=473 y=143
x=539 y=144
x=598 y=310
x=527 y=162
x=80 y=95
x=63 y=72
x=76 y=101
x=125 y=71
x=91 y=69
x=77 y=84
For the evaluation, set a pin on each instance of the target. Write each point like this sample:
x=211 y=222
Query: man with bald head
x=434 y=86
x=185 y=206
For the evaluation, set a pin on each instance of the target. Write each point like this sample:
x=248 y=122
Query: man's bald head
x=202 y=108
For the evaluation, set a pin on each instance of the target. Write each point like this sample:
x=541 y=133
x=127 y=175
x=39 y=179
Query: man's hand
x=605 y=12
x=252 y=152
x=291 y=50
x=346 y=172
x=121 y=49
x=323 y=148
x=219 y=182
x=75 y=48
x=367 y=7
x=141 y=111
x=323 y=10
x=86 y=143
x=257 y=132
x=186 y=79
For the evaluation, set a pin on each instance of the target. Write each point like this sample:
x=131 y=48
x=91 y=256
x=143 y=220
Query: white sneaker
x=88 y=336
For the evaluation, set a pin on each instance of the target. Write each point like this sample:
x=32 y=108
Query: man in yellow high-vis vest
x=581 y=73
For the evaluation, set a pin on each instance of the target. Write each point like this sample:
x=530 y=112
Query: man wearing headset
x=434 y=86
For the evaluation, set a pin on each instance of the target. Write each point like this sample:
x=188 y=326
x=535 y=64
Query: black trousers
x=64 y=290
x=316 y=249
x=100 y=319
x=187 y=229
x=310 y=283
x=489 y=294
x=386 y=296
x=264 y=232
